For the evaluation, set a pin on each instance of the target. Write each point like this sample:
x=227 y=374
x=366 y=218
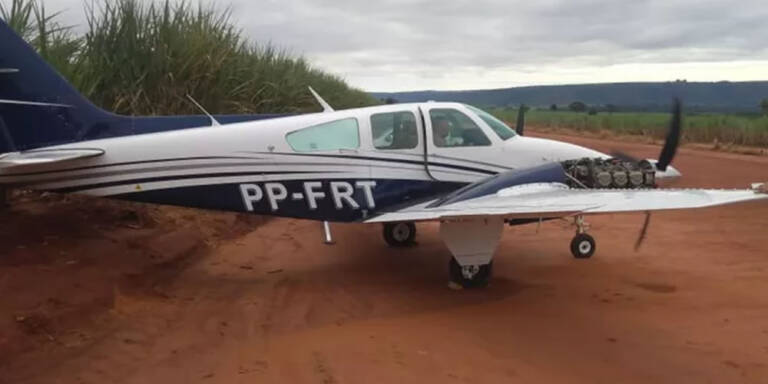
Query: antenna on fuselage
x=326 y=107
x=214 y=122
x=328 y=239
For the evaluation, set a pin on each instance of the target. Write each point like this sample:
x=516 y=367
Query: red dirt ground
x=97 y=292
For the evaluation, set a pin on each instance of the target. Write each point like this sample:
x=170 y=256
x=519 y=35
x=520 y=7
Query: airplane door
x=397 y=135
x=396 y=145
x=458 y=147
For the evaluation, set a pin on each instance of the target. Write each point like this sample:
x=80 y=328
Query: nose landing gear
x=583 y=245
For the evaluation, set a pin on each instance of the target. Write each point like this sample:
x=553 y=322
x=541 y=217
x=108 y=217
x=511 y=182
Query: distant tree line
x=579 y=106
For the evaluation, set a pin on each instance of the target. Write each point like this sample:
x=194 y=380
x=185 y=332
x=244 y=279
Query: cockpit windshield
x=502 y=130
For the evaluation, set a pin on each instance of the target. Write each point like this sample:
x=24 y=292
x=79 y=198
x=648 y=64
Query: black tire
x=399 y=234
x=583 y=246
x=479 y=280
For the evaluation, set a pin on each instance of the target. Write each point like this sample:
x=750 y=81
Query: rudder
x=38 y=107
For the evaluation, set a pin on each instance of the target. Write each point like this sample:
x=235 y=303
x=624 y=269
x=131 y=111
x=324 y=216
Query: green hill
x=721 y=96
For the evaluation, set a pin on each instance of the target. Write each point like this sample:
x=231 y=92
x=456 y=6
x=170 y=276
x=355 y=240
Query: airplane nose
x=536 y=150
x=671 y=172
x=666 y=177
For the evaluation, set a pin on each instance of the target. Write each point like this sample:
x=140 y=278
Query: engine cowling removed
x=609 y=173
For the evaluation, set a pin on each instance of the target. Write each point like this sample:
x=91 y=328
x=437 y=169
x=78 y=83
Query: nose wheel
x=582 y=245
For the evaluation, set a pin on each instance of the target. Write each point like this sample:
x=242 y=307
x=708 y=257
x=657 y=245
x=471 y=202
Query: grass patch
x=744 y=130
x=143 y=58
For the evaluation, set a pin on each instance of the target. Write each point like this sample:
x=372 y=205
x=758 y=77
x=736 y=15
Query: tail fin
x=37 y=106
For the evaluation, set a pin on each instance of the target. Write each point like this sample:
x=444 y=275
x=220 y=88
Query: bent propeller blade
x=673 y=137
x=520 y=127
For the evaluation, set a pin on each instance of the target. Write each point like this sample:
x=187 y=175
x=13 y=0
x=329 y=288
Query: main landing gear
x=399 y=234
x=472 y=243
x=582 y=245
x=471 y=275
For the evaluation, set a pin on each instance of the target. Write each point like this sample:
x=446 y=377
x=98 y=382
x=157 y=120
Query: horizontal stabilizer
x=30 y=158
x=34 y=103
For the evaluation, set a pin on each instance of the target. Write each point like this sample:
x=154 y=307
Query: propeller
x=665 y=158
x=520 y=126
x=643 y=231
x=673 y=137
x=671 y=142
x=623 y=156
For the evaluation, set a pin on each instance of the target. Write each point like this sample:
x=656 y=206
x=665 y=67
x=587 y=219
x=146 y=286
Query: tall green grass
x=698 y=127
x=143 y=58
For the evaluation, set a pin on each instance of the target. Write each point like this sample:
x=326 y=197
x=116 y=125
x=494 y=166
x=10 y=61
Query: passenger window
x=394 y=130
x=451 y=128
x=334 y=135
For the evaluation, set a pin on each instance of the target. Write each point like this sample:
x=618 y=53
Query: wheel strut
x=581 y=225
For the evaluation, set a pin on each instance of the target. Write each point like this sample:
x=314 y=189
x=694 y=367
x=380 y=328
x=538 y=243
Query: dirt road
x=105 y=292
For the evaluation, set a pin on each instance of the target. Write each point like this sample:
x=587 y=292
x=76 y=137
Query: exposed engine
x=609 y=173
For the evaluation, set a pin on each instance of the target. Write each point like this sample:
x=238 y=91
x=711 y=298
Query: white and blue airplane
x=392 y=164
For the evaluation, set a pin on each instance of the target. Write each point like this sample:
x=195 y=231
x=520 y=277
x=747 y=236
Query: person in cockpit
x=441 y=129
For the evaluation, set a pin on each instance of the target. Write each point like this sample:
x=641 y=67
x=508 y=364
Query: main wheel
x=399 y=234
x=470 y=276
x=583 y=246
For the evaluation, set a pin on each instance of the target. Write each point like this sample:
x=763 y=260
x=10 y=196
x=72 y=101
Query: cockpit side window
x=333 y=135
x=502 y=130
x=452 y=128
x=394 y=130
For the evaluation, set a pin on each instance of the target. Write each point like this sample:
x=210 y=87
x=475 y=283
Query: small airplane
x=392 y=165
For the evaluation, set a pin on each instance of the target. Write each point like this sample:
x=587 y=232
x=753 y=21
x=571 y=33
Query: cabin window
x=394 y=130
x=451 y=128
x=334 y=135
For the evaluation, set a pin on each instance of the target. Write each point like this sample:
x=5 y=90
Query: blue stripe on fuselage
x=388 y=195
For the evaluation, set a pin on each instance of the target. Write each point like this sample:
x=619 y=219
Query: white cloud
x=430 y=44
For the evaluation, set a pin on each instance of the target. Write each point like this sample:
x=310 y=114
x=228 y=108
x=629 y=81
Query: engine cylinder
x=609 y=173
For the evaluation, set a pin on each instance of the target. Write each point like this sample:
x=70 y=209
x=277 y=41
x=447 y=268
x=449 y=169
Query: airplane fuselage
x=349 y=172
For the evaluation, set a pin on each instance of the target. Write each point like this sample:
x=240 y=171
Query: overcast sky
x=394 y=45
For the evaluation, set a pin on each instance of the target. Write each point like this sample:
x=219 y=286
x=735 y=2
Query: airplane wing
x=550 y=200
x=41 y=157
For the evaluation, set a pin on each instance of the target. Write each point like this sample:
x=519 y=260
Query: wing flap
x=540 y=201
x=42 y=157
